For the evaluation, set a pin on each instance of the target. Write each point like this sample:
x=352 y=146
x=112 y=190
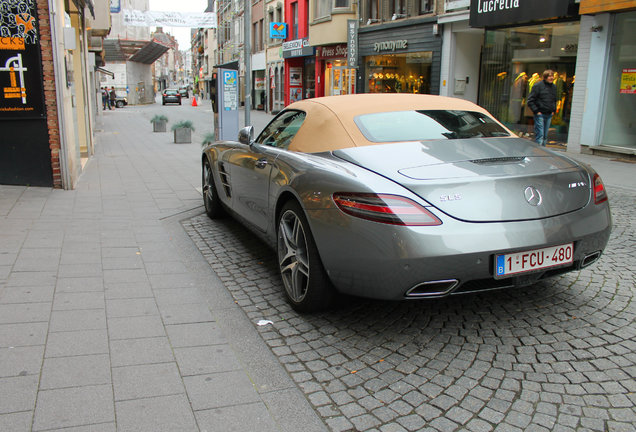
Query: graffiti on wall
x=20 y=64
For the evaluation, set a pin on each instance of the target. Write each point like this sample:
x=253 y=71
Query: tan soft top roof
x=329 y=123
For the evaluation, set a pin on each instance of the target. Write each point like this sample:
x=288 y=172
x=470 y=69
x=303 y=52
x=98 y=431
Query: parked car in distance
x=404 y=196
x=171 y=96
x=121 y=101
x=183 y=91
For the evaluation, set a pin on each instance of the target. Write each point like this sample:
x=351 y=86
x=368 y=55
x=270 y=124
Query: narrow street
x=124 y=308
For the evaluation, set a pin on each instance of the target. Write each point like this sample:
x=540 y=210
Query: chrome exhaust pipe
x=590 y=259
x=433 y=288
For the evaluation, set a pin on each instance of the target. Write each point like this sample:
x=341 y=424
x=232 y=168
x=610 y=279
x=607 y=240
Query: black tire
x=213 y=207
x=120 y=104
x=307 y=286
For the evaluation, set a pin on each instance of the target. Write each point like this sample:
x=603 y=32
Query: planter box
x=182 y=135
x=159 y=126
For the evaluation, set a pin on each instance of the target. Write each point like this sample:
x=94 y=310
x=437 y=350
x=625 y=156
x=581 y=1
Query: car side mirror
x=246 y=135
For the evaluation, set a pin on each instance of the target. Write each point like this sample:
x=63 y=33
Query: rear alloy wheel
x=307 y=285
x=213 y=207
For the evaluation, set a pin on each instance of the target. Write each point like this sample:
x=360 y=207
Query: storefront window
x=619 y=121
x=514 y=60
x=399 y=73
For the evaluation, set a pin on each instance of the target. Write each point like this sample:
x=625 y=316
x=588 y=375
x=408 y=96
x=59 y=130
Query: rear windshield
x=427 y=125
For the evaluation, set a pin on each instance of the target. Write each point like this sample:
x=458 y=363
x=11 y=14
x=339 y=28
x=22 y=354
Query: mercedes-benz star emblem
x=533 y=196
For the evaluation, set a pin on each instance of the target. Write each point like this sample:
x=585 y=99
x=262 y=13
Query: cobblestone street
x=557 y=356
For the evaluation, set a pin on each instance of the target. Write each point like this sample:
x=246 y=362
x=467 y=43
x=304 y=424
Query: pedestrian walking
x=113 y=96
x=542 y=102
x=105 y=99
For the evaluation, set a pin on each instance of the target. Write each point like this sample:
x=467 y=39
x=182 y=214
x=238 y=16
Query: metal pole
x=247 y=16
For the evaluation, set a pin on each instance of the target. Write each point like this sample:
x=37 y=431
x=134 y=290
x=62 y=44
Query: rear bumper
x=387 y=262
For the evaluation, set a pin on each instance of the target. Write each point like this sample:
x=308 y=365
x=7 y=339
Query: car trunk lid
x=481 y=180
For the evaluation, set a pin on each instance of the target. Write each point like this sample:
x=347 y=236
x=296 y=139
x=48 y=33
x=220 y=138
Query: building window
x=426 y=6
x=322 y=8
x=294 y=18
x=398 y=6
x=341 y=4
x=373 y=9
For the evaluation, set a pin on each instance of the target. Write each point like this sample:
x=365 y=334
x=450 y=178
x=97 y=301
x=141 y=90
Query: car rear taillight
x=600 y=194
x=389 y=209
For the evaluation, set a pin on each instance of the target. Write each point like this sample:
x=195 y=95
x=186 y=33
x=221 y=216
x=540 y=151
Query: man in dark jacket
x=542 y=102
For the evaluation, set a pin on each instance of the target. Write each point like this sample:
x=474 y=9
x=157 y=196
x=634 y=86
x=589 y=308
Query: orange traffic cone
x=194 y=101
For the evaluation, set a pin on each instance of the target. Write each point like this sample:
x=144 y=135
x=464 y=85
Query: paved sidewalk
x=110 y=318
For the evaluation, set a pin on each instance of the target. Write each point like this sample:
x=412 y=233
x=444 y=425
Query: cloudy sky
x=181 y=33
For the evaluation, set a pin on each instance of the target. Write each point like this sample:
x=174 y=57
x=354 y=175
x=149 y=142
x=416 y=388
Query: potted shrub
x=159 y=123
x=182 y=131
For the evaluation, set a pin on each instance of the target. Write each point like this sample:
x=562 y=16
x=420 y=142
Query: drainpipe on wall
x=59 y=85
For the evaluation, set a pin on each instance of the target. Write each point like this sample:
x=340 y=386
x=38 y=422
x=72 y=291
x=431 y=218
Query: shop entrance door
x=341 y=79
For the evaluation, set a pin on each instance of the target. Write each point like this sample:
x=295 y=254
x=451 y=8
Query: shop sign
x=298 y=48
x=493 y=13
x=115 y=6
x=332 y=51
x=21 y=89
x=352 y=43
x=390 y=45
x=628 y=81
x=278 y=30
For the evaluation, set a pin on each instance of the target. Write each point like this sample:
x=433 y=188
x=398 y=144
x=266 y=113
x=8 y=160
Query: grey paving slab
x=78 y=301
x=117 y=308
x=21 y=361
x=135 y=327
x=77 y=343
x=16 y=422
x=178 y=296
x=195 y=334
x=143 y=381
x=42 y=259
x=15 y=335
x=233 y=418
x=100 y=427
x=26 y=294
x=129 y=352
x=79 y=284
x=220 y=390
x=128 y=290
x=84 y=319
x=33 y=278
x=25 y=312
x=206 y=360
x=76 y=406
x=160 y=414
x=80 y=270
x=18 y=393
x=182 y=314
x=85 y=370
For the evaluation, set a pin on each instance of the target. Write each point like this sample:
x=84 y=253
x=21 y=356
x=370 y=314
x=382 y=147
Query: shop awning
x=146 y=52
x=105 y=72
x=149 y=53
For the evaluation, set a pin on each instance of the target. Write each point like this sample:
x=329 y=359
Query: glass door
x=341 y=80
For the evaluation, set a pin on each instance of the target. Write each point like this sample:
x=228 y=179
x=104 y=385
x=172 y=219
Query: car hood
x=481 y=180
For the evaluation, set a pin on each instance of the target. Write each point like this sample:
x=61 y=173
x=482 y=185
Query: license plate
x=528 y=261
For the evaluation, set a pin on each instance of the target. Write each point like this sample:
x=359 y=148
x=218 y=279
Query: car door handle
x=261 y=163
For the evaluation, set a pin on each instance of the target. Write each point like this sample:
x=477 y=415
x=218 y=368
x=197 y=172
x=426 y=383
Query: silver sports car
x=400 y=196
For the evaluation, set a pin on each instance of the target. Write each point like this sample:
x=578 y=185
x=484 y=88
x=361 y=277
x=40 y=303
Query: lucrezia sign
x=485 y=6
